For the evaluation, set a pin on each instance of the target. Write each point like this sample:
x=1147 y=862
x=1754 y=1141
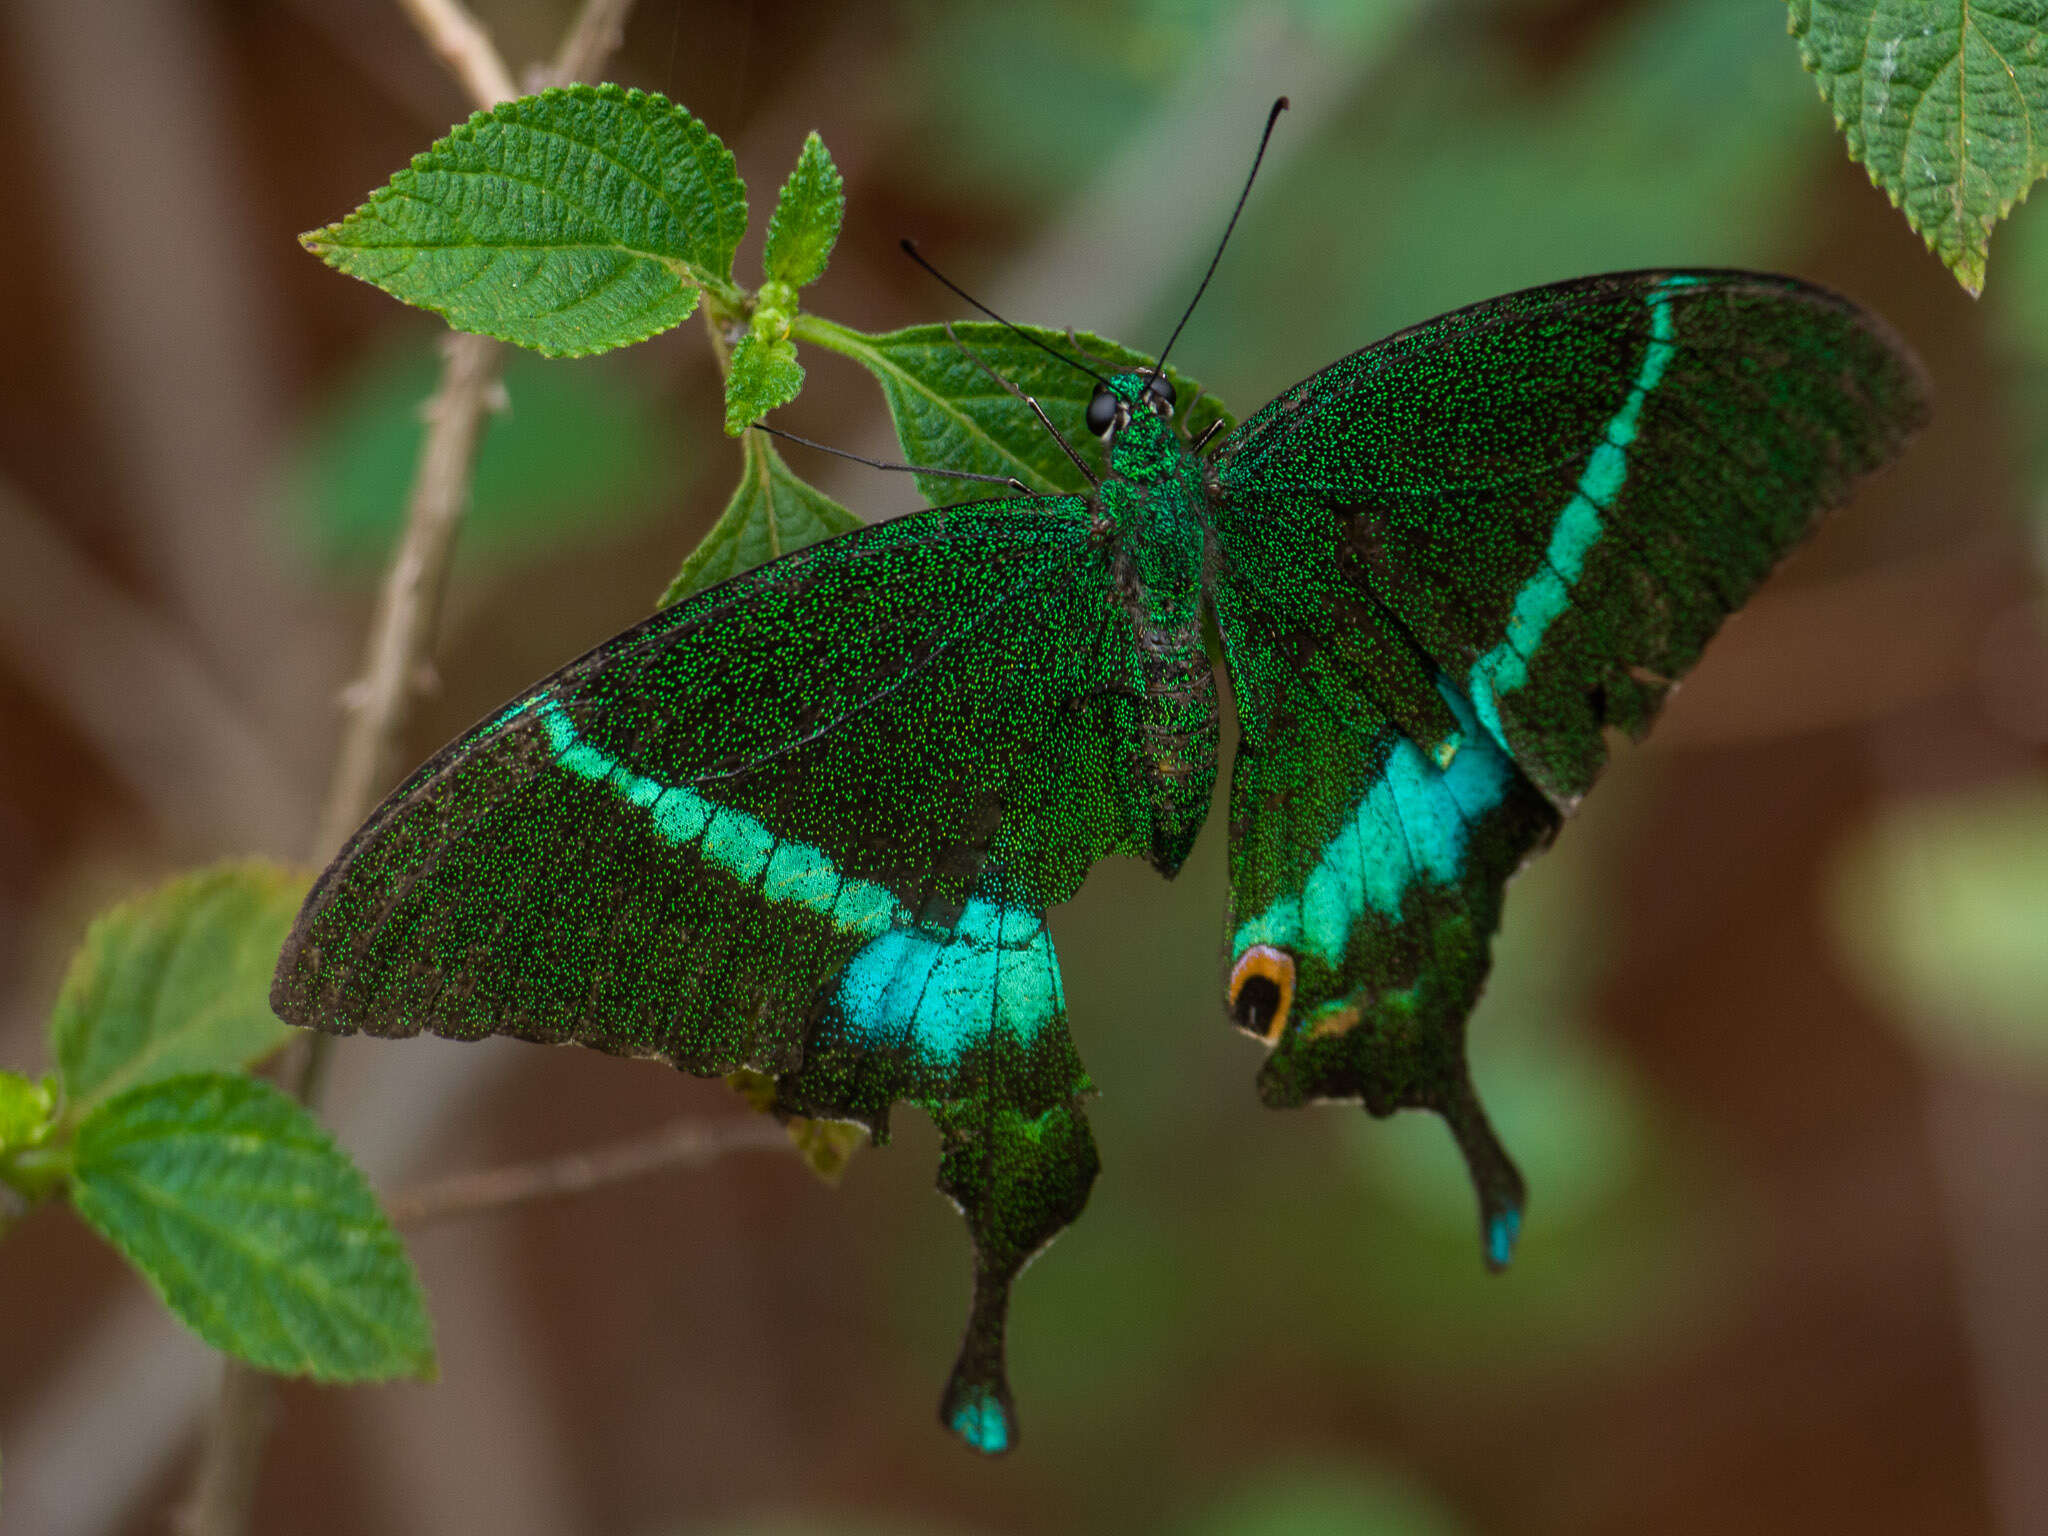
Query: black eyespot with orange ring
x=1262 y=991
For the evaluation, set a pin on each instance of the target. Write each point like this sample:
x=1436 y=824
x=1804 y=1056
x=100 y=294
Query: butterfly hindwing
x=807 y=822
x=1558 y=495
x=1366 y=880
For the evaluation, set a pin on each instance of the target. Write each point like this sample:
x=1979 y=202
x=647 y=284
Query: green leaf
x=951 y=414
x=1941 y=907
x=580 y=454
x=570 y=222
x=25 y=1110
x=175 y=981
x=805 y=224
x=771 y=514
x=765 y=375
x=254 y=1228
x=1944 y=101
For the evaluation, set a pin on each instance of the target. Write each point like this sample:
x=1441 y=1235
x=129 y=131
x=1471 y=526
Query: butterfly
x=810 y=822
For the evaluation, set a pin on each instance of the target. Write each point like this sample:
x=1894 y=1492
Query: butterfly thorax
x=1152 y=499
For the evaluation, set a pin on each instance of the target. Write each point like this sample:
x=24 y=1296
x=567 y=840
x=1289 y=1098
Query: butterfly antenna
x=1074 y=341
x=910 y=250
x=915 y=469
x=1265 y=138
x=1037 y=410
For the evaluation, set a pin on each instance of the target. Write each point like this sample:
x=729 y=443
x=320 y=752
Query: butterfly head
x=1133 y=415
x=1129 y=397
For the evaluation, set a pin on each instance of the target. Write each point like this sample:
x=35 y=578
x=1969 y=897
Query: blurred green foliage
x=1036 y=99
x=1942 y=910
x=2022 y=301
x=1680 y=136
x=1321 y=1499
x=579 y=455
x=234 y=1203
x=1292 y=1496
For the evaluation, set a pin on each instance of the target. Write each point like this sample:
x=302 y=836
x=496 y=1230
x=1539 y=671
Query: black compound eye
x=1101 y=412
x=1161 y=388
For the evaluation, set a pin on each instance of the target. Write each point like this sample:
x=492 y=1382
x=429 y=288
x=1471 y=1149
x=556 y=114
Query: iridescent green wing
x=1366 y=883
x=807 y=822
x=1557 y=495
x=1446 y=564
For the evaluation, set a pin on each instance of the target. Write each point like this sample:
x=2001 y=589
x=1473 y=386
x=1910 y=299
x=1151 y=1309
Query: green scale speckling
x=810 y=821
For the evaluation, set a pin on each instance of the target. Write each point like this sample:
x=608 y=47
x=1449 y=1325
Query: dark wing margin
x=1445 y=565
x=807 y=822
x=1559 y=494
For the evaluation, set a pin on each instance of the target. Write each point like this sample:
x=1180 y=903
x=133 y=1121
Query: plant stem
x=592 y=38
x=230 y=1455
x=681 y=1144
x=402 y=636
x=408 y=612
x=465 y=47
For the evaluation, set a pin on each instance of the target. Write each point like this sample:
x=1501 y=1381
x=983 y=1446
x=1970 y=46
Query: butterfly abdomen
x=1175 y=758
x=1172 y=737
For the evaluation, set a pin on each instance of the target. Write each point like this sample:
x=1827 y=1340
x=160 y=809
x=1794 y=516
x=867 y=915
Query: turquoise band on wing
x=730 y=839
x=1411 y=826
x=994 y=973
x=1501 y=1233
x=907 y=985
x=981 y=1422
x=1547 y=594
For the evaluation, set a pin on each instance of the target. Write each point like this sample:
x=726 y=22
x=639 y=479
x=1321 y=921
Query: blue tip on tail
x=982 y=1423
x=1501 y=1233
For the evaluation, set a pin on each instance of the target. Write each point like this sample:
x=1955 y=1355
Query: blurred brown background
x=1781 y=1271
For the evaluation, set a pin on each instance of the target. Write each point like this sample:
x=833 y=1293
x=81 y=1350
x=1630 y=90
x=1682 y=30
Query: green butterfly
x=810 y=822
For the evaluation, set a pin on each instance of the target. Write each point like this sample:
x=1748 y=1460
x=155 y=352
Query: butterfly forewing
x=1559 y=494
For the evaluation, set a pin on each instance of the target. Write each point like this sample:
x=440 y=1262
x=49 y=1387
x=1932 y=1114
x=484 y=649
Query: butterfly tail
x=1018 y=1179
x=977 y=1405
x=1498 y=1183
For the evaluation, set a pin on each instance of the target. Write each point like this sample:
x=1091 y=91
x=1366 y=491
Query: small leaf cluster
x=234 y=1204
x=590 y=217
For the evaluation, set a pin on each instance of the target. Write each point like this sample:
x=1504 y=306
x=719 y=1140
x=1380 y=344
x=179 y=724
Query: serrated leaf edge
x=87 y=959
x=836 y=182
x=692 y=280
x=1968 y=261
x=416 y=1363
